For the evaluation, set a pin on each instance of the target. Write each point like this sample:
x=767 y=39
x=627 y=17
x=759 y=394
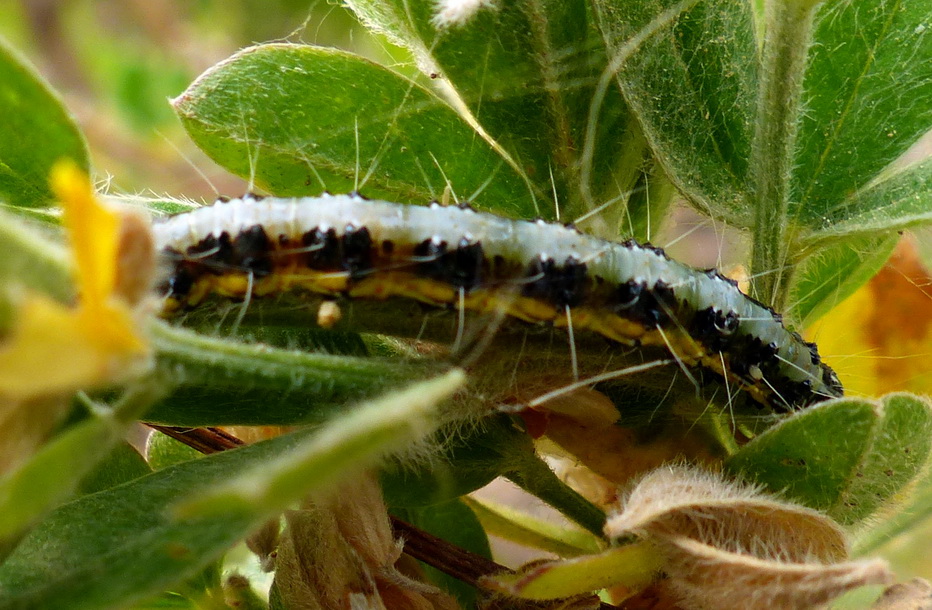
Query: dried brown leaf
x=618 y=453
x=705 y=576
x=913 y=595
x=727 y=545
x=339 y=553
x=315 y=566
x=681 y=501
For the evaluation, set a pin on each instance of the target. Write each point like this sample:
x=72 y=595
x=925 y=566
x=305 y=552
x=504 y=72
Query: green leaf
x=688 y=71
x=163 y=451
x=455 y=523
x=868 y=97
x=847 y=457
x=36 y=131
x=849 y=253
x=122 y=545
x=532 y=91
x=52 y=475
x=910 y=521
x=533 y=475
x=139 y=552
x=466 y=462
x=498 y=448
x=55 y=471
x=299 y=119
x=835 y=273
x=226 y=382
x=352 y=442
x=122 y=464
x=901 y=200
x=29 y=258
x=632 y=566
x=156 y=207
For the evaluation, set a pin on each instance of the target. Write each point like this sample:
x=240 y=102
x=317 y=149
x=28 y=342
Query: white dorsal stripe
x=515 y=240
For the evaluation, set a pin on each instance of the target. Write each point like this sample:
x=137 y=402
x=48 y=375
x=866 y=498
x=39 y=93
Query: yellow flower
x=56 y=349
x=889 y=348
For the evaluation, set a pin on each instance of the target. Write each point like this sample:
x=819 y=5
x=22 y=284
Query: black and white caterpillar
x=345 y=246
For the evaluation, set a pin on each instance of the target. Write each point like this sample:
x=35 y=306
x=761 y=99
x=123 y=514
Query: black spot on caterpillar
x=533 y=271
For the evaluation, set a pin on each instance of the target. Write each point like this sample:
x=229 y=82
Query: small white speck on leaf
x=457 y=13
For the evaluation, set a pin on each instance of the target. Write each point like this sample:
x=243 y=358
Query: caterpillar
x=533 y=272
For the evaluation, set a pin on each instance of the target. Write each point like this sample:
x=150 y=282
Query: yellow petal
x=48 y=353
x=56 y=349
x=93 y=231
x=879 y=339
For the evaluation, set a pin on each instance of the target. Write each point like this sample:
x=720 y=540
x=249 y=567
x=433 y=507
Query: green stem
x=31 y=259
x=786 y=46
x=535 y=477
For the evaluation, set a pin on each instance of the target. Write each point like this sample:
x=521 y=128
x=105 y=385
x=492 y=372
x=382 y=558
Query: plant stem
x=788 y=30
x=534 y=476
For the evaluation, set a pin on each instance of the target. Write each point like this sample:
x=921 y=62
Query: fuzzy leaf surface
x=900 y=201
x=391 y=423
x=229 y=382
x=838 y=270
x=868 y=98
x=884 y=447
x=299 y=120
x=120 y=545
x=527 y=72
x=129 y=542
x=689 y=75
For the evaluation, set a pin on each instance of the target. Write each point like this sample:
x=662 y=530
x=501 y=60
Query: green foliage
x=883 y=449
x=67 y=463
x=37 y=131
x=298 y=120
x=284 y=386
x=537 y=108
x=128 y=533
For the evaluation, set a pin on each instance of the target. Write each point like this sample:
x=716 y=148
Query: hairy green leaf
x=55 y=472
x=127 y=543
x=835 y=273
x=29 y=258
x=226 y=382
x=902 y=200
x=36 y=131
x=298 y=120
x=688 y=70
x=527 y=72
x=847 y=457
x=121 y=545
x=163 y=451
x=910 y=519
x=390 y=423
x=868 y=97
x=528 y=530
x=465 y=462
x=122 y=464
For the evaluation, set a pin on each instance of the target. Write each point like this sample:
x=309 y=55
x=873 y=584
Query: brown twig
x=435 y=552
x=205 y=440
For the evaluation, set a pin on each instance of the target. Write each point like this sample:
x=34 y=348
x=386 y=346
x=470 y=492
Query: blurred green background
x=116 y=64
